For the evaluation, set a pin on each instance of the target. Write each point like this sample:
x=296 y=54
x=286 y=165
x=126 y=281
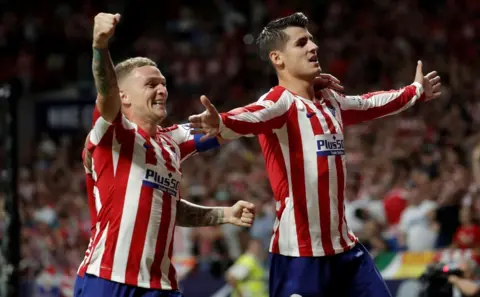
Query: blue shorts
x=93 y=286
x=350 y=274
x=77 y=290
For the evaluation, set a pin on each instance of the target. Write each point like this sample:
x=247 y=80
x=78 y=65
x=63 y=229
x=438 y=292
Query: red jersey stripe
x=298 y=186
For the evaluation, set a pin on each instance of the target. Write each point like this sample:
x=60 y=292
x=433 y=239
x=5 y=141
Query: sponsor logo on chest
x=329 y=144
x=163 y=181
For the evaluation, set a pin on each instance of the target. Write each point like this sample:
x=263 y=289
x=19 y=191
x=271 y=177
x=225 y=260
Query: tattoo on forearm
x=104 y=72
x=192 y=215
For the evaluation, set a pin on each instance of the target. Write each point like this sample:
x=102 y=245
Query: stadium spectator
x=468 y=234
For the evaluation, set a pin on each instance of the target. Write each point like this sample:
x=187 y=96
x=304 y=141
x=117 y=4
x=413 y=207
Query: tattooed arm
x=108 y=99
x=193 y=215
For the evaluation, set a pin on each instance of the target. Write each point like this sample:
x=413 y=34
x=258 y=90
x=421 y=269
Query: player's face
x=145 y=91
x=299 y=55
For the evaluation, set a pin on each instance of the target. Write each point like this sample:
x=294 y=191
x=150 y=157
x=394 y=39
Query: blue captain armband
x=206 y=145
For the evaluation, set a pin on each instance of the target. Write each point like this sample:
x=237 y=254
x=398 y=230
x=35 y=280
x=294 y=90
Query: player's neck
x=298 y=86
x=150 y=127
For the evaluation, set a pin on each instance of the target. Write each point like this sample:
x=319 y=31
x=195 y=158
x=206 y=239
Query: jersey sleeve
x=89 y=185
x=270 y=112
x=101 y=127
x=361 y=108
x=188 y=143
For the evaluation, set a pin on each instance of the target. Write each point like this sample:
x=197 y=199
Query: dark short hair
x=273 y=36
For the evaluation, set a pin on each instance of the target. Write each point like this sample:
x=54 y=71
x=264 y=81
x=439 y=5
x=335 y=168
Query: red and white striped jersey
x=90 y=187
x=188 y=145
x=302 y=143
x=136 y=181
x=92 y=206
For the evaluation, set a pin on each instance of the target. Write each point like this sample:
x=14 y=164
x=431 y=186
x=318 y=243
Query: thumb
x=419 y=73
x=117 y=18
x=206 y=103
x=246 y=204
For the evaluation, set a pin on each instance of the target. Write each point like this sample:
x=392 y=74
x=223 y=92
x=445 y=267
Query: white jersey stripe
x=96 y=193
x=334 y=233
x=286 y=227
x=99 y=129
x=311 y=184
x=130 y=208
x=276 y=225
x=165 y=264
x=150 y=240
x=333 y=181
x=98 y=200
x=345 y=231
x=116 y=147
x=97 y=251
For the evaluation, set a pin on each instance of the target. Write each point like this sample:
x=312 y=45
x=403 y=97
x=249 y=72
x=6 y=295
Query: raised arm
x=357 y=109
x=263 y=116
x=108 y=98
x=193 y=215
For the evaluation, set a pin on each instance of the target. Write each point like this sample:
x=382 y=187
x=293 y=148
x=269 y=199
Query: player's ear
x=276 y=58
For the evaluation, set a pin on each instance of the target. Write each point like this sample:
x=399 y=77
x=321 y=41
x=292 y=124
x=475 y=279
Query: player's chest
x=156 y=162
x=319 y=127
x=321 y=114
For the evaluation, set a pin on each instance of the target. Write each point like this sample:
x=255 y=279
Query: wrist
x=99 y=45
x=227 y=214
x=420 y=89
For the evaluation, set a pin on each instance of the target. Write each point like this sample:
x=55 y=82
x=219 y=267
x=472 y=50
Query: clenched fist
x=103 y=29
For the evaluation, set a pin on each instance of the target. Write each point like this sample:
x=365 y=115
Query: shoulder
x=167 y=129
x=175 y=133
x=274 y=95
x=175 y=128
x=330 y=95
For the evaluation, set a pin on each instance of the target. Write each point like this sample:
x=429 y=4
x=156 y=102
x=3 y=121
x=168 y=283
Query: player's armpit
x=192 y=215
x=108 y=98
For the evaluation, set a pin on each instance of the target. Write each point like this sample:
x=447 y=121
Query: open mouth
x=313 y=59
x=158 y=105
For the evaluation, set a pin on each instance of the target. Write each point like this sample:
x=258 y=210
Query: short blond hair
x=124 y=68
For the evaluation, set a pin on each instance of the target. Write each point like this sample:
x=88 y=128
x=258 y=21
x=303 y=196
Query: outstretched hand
x=430 y=82
x=208 y=122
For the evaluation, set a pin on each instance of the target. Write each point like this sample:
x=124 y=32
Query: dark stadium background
x=207 y=47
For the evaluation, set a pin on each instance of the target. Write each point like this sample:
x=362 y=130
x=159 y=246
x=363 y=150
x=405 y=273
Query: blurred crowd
x=414 y=178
